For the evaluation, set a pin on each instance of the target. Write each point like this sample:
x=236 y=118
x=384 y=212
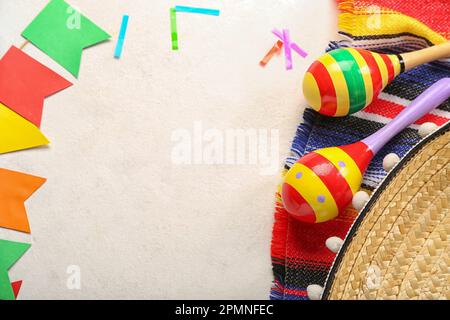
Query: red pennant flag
x=25 y=83
x=16 y=288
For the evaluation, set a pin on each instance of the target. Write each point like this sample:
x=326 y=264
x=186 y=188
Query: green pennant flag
x=10 y=252
x=62 y=32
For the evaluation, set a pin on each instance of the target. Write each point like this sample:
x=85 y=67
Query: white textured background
x=114 y=204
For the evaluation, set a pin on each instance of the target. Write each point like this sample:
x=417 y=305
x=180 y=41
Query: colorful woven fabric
x=299 y=255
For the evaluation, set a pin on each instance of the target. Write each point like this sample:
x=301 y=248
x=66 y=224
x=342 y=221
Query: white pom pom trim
x=314 y=292
x=360 y=199
x=390 y=161
x=334 y=244
x=427 y=128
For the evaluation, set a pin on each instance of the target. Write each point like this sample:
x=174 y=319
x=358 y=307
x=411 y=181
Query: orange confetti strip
x=276 y=49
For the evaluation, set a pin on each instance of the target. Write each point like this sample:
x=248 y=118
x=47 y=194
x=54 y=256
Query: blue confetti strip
x=123 y=31
x=211 y=12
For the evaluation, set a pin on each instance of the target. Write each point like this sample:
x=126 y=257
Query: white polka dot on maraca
x=427 y=128
x=390 y=161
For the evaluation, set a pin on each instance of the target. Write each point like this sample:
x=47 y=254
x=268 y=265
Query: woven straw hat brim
x=398 y=246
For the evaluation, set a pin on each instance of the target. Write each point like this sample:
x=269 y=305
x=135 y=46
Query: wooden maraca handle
x=416 y=58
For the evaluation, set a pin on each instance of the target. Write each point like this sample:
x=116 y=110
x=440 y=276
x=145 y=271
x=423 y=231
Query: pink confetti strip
x=278 y=33
x=299 y=50
x=287 y=49
x=288 y=46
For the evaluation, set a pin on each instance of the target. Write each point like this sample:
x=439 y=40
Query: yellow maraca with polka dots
x=322 y=183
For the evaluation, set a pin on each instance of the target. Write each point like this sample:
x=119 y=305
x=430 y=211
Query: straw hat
x=398 y=248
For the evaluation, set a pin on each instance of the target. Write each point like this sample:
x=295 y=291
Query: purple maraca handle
x=423 y=104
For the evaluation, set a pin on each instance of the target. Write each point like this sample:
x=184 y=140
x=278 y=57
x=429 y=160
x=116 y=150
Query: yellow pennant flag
x=16 y=133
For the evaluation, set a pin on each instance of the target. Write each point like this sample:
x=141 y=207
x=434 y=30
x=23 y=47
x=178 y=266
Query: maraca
x=344 y=81
x=322 y=183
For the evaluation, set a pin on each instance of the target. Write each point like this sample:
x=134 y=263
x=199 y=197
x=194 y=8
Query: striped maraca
x=346 y=80
x=322 y=183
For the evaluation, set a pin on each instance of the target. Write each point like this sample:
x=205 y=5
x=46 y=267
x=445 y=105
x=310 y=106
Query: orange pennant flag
x=15 y=189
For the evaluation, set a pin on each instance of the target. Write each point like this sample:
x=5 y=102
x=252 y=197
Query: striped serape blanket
x=299 y=255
